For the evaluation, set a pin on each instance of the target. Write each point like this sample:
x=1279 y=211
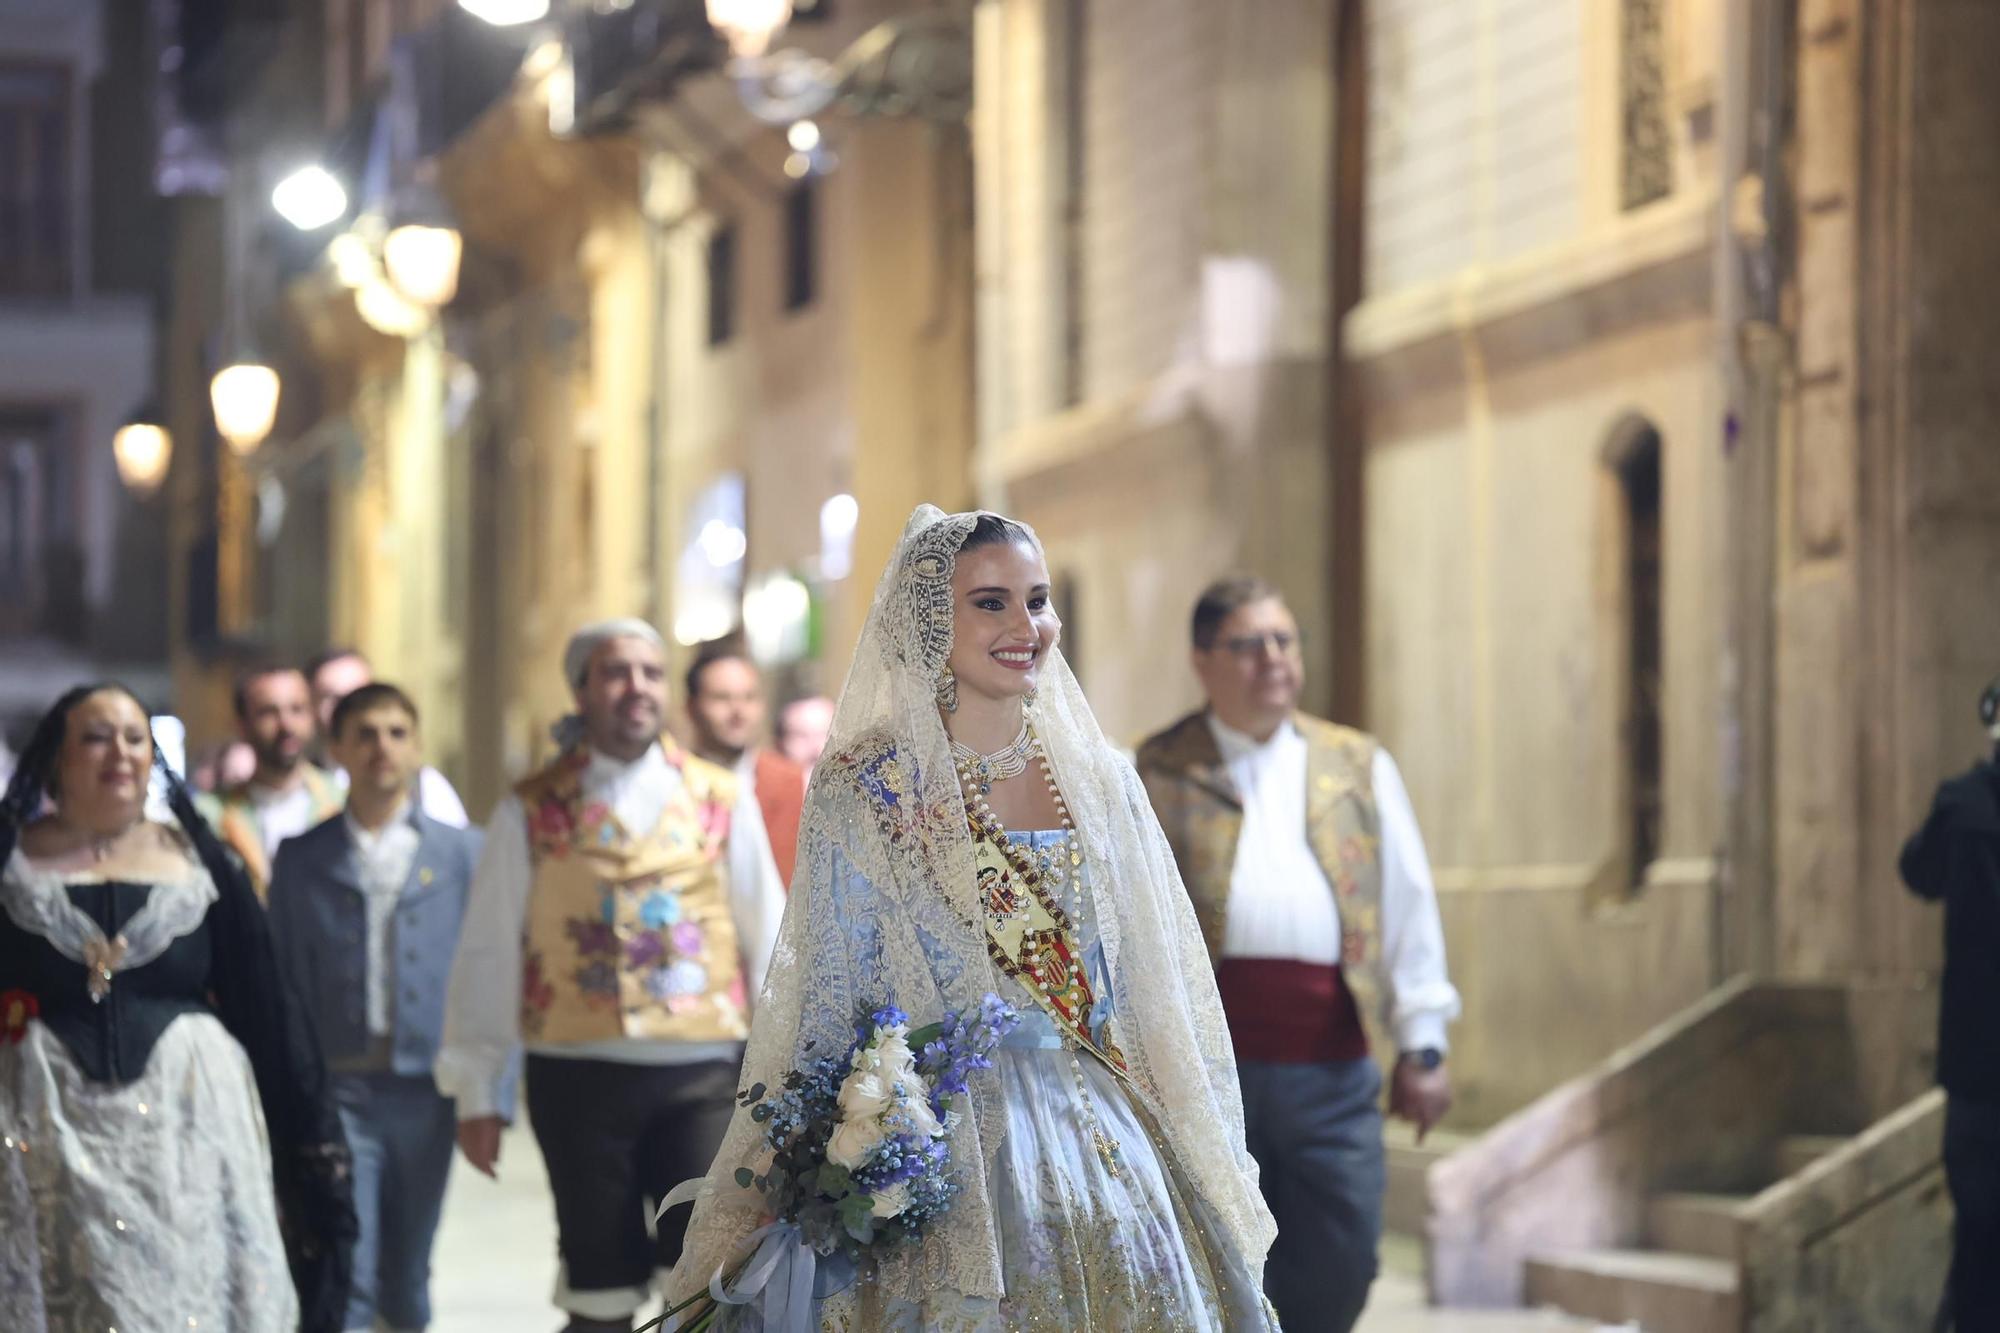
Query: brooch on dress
x=101 y=958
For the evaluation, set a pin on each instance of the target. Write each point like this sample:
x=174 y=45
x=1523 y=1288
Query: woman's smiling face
x=1003 y=624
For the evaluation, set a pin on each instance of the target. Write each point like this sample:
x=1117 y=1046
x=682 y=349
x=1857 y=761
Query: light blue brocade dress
x=1080 y=1247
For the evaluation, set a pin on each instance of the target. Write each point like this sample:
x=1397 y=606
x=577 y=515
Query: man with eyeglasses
x=1301 y=851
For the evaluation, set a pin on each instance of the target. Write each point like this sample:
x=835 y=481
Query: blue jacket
x=319 y=917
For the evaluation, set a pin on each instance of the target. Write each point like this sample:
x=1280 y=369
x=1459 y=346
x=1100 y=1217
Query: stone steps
x=1661 y=1292
x=1709 y=1225
x=1796 y=1152
x=1684 y=1278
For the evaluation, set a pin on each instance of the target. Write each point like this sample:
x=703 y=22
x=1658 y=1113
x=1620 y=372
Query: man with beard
x=287 y=794
x=622 y=915
x=725 y=704
x=1301 y=851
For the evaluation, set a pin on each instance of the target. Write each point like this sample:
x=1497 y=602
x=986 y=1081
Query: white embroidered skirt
x=144 y=1205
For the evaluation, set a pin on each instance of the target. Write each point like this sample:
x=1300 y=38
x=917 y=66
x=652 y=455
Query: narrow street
x=496 y=1264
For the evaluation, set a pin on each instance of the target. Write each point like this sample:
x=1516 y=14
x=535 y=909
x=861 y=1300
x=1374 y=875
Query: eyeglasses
x=1281 y=643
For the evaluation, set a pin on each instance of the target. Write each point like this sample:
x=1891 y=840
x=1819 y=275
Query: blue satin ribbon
x=777 y=1278
x=776 y=1272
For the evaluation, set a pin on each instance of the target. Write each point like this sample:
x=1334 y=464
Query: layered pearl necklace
x=1009 y=761
x=976 y=775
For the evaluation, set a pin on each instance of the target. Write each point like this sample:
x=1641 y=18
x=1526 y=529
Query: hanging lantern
x=143 y=450
x=310 y=198
x=749 y=24
x=506 y=13
x=422 y=260
x=245 y=398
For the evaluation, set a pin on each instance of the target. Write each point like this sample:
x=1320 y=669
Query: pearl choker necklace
x=1010 y=761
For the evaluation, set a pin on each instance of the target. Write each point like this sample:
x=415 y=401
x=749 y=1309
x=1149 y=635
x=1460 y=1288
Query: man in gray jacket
x=366 y=909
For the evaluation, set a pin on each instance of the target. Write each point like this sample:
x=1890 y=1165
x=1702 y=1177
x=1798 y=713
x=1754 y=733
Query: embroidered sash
x=1032 y=939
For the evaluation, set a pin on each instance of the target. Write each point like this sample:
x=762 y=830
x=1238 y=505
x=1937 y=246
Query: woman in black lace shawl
x=173 y=1157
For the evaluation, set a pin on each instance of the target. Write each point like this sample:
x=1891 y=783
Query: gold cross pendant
x=1107 y=1148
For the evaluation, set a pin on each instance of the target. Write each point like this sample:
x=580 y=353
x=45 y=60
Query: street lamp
x=749 y=24
x=310 y=198
x=506 y=13
x=423 y=262
x=143 y=449
x=245 y=398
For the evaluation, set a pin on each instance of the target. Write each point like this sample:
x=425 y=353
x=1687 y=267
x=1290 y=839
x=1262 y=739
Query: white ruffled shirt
x=385 y=856
x=1281 y=905
x=482 y=1023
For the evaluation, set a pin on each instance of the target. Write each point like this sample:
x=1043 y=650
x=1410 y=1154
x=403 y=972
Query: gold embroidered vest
x=1202 y=814
x=630 y=935
x=233 y=814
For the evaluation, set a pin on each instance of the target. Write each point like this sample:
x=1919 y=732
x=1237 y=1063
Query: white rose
x=865 y=1095
x=917 y=1106
x=892 y=1201
x=892 y=1054
x=852 y=1142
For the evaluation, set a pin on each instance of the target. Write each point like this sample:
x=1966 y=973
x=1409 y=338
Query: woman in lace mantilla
x=171 y=1155
x=970 y=831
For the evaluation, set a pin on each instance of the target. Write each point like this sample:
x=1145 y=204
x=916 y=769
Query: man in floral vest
x=620 y=921
x=1300 y=849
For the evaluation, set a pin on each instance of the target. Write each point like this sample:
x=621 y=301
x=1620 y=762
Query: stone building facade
x=1154 y=367
x=668 y=353
x=1596 y=379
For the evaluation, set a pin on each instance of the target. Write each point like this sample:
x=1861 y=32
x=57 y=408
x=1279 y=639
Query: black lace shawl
x=255 y=1001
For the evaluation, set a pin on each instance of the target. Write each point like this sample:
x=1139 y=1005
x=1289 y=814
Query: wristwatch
x=1427 y=1059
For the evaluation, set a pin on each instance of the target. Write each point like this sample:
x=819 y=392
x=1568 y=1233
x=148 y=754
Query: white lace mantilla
x=38 y=902
x=886 y=803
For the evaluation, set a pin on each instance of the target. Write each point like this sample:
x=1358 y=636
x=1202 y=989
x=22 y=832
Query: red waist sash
x=1287 y=1012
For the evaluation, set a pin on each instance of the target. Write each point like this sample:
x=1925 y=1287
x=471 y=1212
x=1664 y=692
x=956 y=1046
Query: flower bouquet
x=860 y=1160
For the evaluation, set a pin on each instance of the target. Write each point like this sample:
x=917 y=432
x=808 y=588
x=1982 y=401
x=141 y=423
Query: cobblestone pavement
x=495 y=1264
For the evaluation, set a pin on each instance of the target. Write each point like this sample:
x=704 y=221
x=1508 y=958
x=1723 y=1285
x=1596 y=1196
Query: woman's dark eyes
x=1037 y=603
x=992 y=604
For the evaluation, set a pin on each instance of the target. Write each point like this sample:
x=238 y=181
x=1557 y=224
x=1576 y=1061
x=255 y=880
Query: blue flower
x=660 y=910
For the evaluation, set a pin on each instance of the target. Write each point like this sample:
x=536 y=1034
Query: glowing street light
x=245 y=398
x=143 y=449
x=310 y=198
x=506 y=13
x=749 y=24
x=422 y=260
